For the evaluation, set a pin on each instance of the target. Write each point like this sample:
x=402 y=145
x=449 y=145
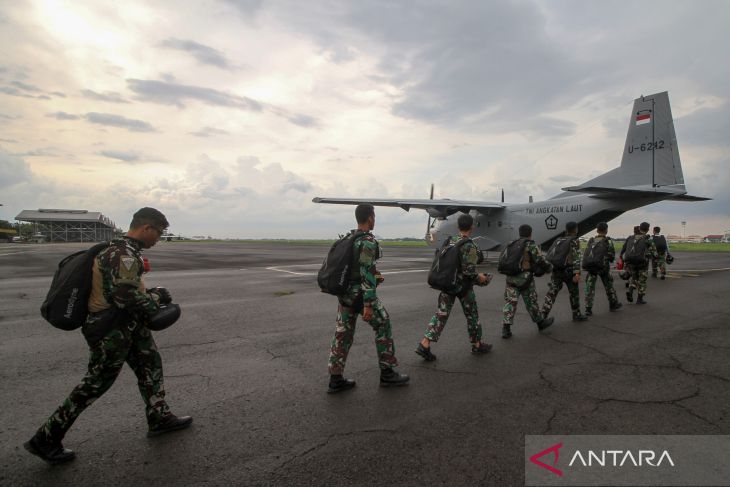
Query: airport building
x=51 y=225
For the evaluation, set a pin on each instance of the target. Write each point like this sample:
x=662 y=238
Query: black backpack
x=558 y=253
x=635 y=251
x=446 y=266
x=334 y=275
x=510 y=260
x=594 y=257
x=660 y=242
x=66 y=305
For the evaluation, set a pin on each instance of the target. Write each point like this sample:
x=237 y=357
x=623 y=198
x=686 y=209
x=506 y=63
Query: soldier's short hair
x=570 y=226
x=637 y=230
x=363 y=212
x=657 y=229
x=602 y=227
x=525 y=231
x=149 y=216
x=644 y=227
x=465 y=222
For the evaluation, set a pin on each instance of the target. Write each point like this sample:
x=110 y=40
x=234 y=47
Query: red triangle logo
x=555 y=449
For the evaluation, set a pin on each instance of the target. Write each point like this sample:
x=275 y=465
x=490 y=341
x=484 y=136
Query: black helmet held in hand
x=165 y=317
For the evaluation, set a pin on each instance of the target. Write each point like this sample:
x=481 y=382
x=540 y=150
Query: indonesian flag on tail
x=643 y=117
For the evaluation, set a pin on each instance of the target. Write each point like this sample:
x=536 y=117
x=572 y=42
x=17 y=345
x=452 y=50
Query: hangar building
x=68 y=225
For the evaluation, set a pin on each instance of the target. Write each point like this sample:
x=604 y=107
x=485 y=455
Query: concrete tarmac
x=248 y=360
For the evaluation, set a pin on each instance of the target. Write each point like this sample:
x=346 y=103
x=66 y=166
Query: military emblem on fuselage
x=551 y=222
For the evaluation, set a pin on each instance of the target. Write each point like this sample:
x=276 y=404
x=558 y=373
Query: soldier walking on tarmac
x=522 y=283
x=637 y=253
x=361 y=299
x=116 y=332
x=564 y=255
x=597 y=259
x=467 y=277
x=660 y=261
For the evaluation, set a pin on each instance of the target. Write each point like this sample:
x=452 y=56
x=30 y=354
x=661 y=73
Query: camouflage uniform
x=465 y=292
x=659 y=262
x=362 y=291
x=565 y=276
x=605 y=275
x=115 y=332
x=523 y=284
x=640 y=273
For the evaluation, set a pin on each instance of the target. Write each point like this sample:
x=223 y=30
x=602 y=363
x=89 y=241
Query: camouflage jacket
x=531 y=258
x=117 y=280
x=651 y=251
x=469 y=259
x=365 y=276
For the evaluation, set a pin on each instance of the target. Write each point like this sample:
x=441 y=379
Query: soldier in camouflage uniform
x=523 y=284
x=640 y=273
x=361 y=299
x=625 y=274
x=115 y=331
x=569 y=275
x=660 y=261
x=466 y=280
x=604 y=273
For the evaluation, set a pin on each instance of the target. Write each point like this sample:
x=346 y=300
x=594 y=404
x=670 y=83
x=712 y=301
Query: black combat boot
x=544 y=323
x=579 y=317
x=640 y=299
x=425 y=353
x=390 y=378
x=589 y=311
x=615 y=306
x=481 y=348
x=339 y=384
x=630 y=296
x=52 y=453
x=664 y=276
x=170 y=423
x=506 y=332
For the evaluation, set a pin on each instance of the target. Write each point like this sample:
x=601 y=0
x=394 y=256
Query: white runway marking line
x=21 y=252
x=296 y=273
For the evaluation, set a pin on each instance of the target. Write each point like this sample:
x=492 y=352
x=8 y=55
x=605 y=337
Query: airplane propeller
x=428 y=225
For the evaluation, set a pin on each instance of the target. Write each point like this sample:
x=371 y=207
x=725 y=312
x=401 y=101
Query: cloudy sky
x=231 y=115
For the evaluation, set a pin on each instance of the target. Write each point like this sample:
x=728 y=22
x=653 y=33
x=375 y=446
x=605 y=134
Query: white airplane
x=650 y=171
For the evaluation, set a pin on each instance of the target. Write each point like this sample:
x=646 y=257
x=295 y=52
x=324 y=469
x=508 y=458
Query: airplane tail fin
x=650 y=162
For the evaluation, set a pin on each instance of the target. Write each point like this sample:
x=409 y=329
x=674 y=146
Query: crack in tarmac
x=567 y=342
x=324 y=443
x=614 y=330
x=445 y=371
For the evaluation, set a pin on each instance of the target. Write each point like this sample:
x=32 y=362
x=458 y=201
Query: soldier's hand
x=367 y=313
x=576 y=278
x=482 y=279
x=163 y=295
x=379 y=278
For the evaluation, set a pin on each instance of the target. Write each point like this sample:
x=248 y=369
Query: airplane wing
x=604 y=192
x=440 y=207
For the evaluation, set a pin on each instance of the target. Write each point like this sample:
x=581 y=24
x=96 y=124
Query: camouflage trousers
x=529 y=296
x=468 y=302
x=660 y=263
x=607 y=281
x=639 y=276
x=107 y=356
x=345 y=332
x=555 y=285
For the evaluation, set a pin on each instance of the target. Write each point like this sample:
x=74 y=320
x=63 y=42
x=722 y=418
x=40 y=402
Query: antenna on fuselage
x=502 y=195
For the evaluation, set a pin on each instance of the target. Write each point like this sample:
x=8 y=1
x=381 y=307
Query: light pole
x=684 y=225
